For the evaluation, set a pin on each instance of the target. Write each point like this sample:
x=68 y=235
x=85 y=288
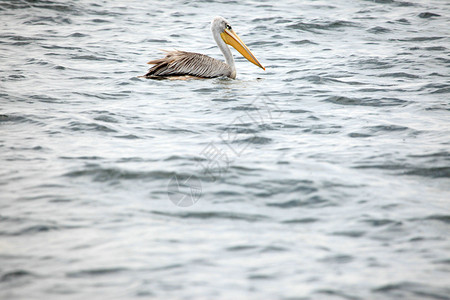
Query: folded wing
x=180 y=63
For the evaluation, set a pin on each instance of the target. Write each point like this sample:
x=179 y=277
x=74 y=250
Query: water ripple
x=324 y=176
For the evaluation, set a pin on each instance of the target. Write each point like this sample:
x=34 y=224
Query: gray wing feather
x=179 y=63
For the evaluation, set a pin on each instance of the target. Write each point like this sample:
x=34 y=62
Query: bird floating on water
x=178 y=64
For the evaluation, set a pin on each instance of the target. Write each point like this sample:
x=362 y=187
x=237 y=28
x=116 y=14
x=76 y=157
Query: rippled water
x=324 y=177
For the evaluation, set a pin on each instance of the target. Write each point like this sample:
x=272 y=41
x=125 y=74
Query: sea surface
x=327 y=176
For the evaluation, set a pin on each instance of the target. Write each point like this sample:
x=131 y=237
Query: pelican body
x=189 y=64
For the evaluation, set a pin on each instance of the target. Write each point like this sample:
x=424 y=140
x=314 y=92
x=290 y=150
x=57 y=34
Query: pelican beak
x=231 y=38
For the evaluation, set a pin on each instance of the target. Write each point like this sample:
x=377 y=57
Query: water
x=324 y=177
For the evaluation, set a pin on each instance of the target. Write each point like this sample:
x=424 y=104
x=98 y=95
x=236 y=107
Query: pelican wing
x=179 y=63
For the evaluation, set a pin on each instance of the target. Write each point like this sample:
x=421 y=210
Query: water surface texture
x=324 y=177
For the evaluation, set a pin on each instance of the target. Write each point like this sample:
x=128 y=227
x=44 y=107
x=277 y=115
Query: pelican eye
x=228 y=26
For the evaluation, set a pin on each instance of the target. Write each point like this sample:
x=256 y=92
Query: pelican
x=190 y=64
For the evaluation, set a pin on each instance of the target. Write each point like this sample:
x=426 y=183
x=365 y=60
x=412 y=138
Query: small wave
x=294 y=111
x=82 y=157
x=48 y=21
x=79 y=126
x=239 y=248
x=87 y=57
x=432 y=155
x=313 y=27
x=20 y=38
x=388 y=128
x=402 y=21
x=264 y=43
x=378 y=29
x=265 y=19
x=334 y=294
x=261 y=277
x=303 y=42
x=100 y=21
x=404 y=3
x=109 y=174
x=314 y=201
x=436 y=88
x=12 y=118
x=301 y=221
x=45 y=98
x=371 y=90
x=384 y=1
x=380 y=222
x=48 y=4
x=441 y=218
x=17 y=119
x=427 y=15
x=373 y=63
x=174 y=130
x=390 y=166
x=441 y=91
x=14 y=275
x=350 y=233
x=78 y=34
x=205 y=90
x=104 y=96
x=168 y=267
x=326 y=79
x=443 y=60
x=412 y=290
x=30 y=230
x=273 y=249
x=156 y=41
x=338 y=259
x=214 y=215
x=95 y=272
x=128 y=137
x=437 y=172
x=435 y=48
x=359 y=135
x=341 y=100
x=421 y=39
x=60 y=47
x=257 y=140
x=399 y=75
x=106 y=118
x=244 y=107
x=86 y=78
x=442 y=261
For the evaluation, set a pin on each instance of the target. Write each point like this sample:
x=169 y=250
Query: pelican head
x=220 y=27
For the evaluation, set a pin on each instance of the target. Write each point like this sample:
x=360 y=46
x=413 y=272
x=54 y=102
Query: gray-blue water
x=324 y=177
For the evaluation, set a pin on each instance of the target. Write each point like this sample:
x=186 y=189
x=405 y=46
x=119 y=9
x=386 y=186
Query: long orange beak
x=231 y=38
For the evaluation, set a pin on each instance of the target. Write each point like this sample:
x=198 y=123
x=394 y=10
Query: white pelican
x=190 y=64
